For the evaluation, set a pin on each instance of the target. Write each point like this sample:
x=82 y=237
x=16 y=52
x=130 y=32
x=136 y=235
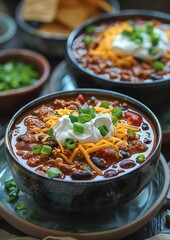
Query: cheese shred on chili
x=115 y=140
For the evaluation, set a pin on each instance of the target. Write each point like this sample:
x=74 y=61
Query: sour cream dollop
x=124 y=46
x=63 y=129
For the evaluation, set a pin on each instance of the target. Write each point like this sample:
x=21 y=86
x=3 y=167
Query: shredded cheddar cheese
x=64 y=157
x=51 y=120
x=61 y=146
x=104 y=49
x=91 y=164
x=73 y=155
x=97 y=148
x=102 y=110
x=115 y=140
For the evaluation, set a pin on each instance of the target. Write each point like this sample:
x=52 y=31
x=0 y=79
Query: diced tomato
x=133 y=118
x=81 y=99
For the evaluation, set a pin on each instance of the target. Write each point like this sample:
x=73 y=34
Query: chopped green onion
x=126 y=33
x=13 y=190
x=20 y=206
x=84 y=108
x=149 y=27
x=140 y=158
x=153 y=51
x=90 y=29
x=78 y=127
x=155 y=39
x=10 y=183
x=25 y=212
x=130 y=132
x=73 y=116
x=92 y=112
x=83 y=118
x=131 y=23
x=70 y=143
x=158 y=65
x=88 y=40
x=54 y=172
x=114 y=119
x=117 y=111
x=36 y=149
x=139 y=40
x=51 y=132
x=103 y=130
x=46 y=150
x=92 y=99
x=87 y=110
x=17 y=74
x=105 y=104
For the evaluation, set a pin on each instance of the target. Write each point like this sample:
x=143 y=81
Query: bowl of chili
x=128 y=52
x=23 y=74
x=84 y=151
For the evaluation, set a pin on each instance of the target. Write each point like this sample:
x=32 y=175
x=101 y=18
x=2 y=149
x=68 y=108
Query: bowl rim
x=107 y=17
x=48 y=97
x=40 y=59
x=11 y=26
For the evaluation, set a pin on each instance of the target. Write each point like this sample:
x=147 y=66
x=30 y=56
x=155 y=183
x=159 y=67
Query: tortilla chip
x=36 y=10
x=68 y=3
x=55 y=28
x=74 y=17
x=101 y=4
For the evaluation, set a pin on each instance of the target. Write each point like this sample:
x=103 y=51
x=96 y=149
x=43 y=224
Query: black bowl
x=97 y=196
x=150 y=93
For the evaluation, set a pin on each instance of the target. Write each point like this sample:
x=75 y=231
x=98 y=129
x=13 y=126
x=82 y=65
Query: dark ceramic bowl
x=150 y=93
x=8 y=29
x=49 y=44
x=12 y=100
x=97 y=196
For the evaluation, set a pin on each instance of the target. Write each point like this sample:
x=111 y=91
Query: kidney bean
x=127 y=164
x=145 y=126
x=147 y=140
x=51 y=143
x=110 y=173
x=98 y=162
x=155 y=76
x=81 y=175
x=124 y=154
x=20 y=138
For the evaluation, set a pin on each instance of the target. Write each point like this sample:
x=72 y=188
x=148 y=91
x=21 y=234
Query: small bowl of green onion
x=23 y=74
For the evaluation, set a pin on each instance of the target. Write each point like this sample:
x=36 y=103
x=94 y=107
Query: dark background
x=157 y=5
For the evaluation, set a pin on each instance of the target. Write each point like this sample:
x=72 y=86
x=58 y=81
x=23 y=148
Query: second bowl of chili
x=128 y=53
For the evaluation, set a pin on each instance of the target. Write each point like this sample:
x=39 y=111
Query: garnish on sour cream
x=144 y=42
x=63 y=129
